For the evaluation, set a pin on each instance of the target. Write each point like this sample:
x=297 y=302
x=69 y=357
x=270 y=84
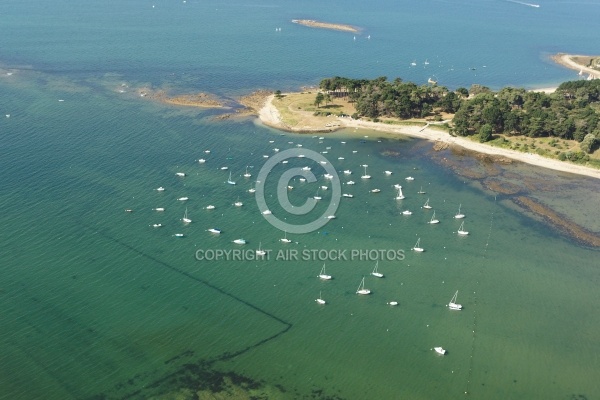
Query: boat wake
x=525 y=4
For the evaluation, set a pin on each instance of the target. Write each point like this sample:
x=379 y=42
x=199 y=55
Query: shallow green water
x=96 y=301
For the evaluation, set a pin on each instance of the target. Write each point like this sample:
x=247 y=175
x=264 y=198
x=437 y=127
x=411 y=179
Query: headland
x=586 y=65
x=290 y=116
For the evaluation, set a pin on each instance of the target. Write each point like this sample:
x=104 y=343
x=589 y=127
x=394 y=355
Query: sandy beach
x=269 y=115
x=567 y=60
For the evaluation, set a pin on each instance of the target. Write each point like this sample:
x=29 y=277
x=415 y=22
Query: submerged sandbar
x=202 y=100
x=326 y=25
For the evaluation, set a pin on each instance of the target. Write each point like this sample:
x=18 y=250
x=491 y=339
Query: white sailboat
x=229 y=180
x=159 y=209
x=238 y=203
x=400 y=195
x=453 y=305
x=375 y=190
x=323 y=275
x=260 y=252
x=421 y=191
x=183 y=199
x=284 y=239
x=375 y=272
x=348 y=195
x=365 y=176
x=459 y=215
x=320 y=299
x=210 y=207
x=433 y=220
x=185 y=218
x=247 y=174
x=160 y=189
x=350 y=183
x=418 y=247
x=251 y=190
x=461 y=229
x=406 y=212
x=361 y=288
x=426 y=205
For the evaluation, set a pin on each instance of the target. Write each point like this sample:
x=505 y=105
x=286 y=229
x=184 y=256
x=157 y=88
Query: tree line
x=571 y=112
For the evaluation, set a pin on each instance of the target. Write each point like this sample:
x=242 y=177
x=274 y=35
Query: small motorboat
x=440 y=350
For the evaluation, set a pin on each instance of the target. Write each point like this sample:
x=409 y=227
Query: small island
x=326 y=25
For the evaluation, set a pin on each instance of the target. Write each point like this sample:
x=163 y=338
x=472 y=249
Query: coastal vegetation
x=569 y=115
x=379 y=97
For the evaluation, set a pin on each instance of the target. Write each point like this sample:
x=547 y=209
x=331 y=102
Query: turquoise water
x=98 y=302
